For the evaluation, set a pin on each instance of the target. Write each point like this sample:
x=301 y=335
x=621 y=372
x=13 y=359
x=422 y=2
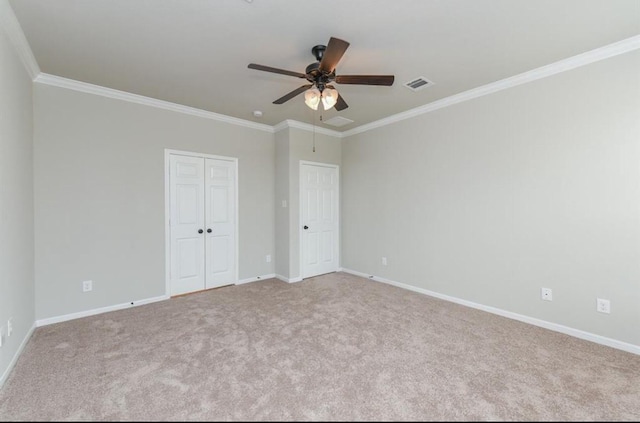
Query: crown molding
x=11 y=26
x=280 y=126
x=290 y=123
x=570 y=63
x=573 y=62
x=72 y=84
x=58 y=81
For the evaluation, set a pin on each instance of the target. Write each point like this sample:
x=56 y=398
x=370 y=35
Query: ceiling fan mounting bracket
x=318 y=51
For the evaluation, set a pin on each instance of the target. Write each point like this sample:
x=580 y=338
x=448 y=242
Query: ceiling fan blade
x=333 y=54
x=276 y=70
x=293 y=94
x=386 y=80
x=341 y=104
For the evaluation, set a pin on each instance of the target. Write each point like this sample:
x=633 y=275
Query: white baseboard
x=78 y=315
x=14 y=360
x=257 y=278
x=588 y=336
x=289 y=280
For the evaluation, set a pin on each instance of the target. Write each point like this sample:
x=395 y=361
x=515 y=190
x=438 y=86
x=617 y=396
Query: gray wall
x=99 y=189
x=491 y=199
x=282 y=194
x=16 y=202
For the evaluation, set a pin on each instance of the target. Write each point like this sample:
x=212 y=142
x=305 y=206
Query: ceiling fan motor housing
x=313 y=72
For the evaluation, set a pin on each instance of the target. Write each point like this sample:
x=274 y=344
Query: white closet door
x=220 y=215
x=186 y=221
x=319 y=210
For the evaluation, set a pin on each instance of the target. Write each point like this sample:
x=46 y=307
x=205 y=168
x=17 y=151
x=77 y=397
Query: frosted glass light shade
x=312 y=98
x=329 y=98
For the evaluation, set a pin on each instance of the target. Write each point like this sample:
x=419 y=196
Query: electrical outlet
x=284 y=203
x=384 y=261
x=1 y=336
x=603 y=306
x=267 y=258
x=546 y=294
x=87 y=286
x=9 y=326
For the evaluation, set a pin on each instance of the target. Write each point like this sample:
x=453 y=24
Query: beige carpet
x=335 y=347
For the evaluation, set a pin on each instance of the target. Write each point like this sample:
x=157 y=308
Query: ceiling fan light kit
x=313 y=96
x=329 y=98
x=321 y=73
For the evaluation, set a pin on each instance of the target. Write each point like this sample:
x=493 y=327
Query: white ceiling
x=196 y=52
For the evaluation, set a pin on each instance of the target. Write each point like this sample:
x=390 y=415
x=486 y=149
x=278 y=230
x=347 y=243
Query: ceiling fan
x=322 y=73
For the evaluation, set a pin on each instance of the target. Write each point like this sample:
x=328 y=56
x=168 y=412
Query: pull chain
x=313 y=121
x=314 y=134
x=314 y=129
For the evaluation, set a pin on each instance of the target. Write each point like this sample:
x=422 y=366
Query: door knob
x=200 y=231
x=306 y=227
x=209 y=231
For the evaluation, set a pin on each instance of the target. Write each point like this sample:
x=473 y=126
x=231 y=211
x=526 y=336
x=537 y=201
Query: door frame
x=167 y=211
x=300 y=195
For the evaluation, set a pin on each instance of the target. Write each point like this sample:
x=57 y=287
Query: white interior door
x=220 y=214
x=202 y=222
x=187 y=224
x=319 y=219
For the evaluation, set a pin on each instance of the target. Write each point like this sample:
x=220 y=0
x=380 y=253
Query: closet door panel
x=220 y=216
x=187 y=192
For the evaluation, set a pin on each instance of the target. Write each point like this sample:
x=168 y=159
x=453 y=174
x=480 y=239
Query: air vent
x=418 y=84
x=338 y=121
